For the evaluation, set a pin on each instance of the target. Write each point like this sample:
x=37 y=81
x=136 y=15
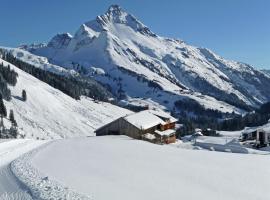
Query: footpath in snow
x=10 y=187
x=40 y=185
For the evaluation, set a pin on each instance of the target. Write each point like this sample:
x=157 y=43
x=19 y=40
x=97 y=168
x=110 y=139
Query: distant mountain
x=267 y=71
x=135 y=62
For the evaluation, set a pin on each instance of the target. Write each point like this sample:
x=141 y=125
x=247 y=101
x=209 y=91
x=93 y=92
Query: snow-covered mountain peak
x=116 y=15
x=115 y=10
x=60 y=41
x=139 y=63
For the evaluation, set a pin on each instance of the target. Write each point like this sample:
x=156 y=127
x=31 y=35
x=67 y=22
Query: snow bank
x=225 y=143
x=40 y=186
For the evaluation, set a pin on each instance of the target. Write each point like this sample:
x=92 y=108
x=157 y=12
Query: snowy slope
x=140 y=93
x=38 y=61
x=140 y=63
x=118 y=167
x=49 y=113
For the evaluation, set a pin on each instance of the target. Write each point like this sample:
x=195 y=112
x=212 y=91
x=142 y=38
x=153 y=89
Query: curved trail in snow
x=10 y=187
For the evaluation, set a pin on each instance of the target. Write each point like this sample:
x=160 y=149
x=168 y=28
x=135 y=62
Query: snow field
x=40 y=186
x=118 y=167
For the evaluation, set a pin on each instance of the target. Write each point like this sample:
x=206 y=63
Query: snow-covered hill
x=38 y=61
x=118 y=167
x=137 y=62
x=49 y=113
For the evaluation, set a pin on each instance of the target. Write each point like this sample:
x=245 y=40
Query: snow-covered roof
x=149 y=136
x=164 y=115
x=199 y=133
x=165 y=133
x=144 y=119
x=198 y=130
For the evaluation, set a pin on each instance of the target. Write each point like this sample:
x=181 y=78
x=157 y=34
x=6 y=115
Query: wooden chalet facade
x=145 y=125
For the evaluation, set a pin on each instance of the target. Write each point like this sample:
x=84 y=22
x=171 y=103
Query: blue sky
x=235 y=29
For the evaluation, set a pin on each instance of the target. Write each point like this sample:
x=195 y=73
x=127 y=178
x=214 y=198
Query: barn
x=153 y=126
x=260 y=136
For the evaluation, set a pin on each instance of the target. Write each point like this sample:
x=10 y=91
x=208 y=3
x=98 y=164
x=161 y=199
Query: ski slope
x=118 y=167
x=48 y=113
x=10 y=187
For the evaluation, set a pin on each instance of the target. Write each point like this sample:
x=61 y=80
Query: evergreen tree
x=24 y=97
x=74 y=86
x=13 y=131
x=12 y=118
x=3 y=110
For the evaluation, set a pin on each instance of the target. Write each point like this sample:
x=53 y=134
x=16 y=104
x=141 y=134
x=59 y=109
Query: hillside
x=138 y=63
x=49 y=113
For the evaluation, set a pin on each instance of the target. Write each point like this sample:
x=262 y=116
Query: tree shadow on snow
x=17 y=97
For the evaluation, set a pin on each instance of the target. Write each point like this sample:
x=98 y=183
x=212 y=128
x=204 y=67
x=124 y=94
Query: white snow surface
x=40 y=186
x=167 y=132
x=118 y=167
x=49 y=113
x=38 y=61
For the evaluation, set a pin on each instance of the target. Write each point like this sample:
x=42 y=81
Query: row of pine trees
x=8 y=77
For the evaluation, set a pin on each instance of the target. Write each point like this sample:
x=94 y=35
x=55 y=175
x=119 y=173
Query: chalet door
x=261 y=138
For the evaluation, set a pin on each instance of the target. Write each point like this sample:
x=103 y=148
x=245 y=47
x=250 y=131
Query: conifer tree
x=24 y=97
x=13 y=131
x=3 y=110
x=11 y=117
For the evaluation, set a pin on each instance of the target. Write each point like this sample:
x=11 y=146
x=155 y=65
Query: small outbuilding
x=261 y=137
x=153 y=126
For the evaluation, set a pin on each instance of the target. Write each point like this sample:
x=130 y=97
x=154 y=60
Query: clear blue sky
x=235 y=29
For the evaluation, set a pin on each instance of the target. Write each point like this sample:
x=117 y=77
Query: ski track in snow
x=10 y=187
x=41 y=186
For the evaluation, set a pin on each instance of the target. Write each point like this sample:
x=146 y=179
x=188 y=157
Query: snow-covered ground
x=118 y=167
x=227 y=141
x=39 y=185
x=10 y=187
x=225 y=144
x=49 y=113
